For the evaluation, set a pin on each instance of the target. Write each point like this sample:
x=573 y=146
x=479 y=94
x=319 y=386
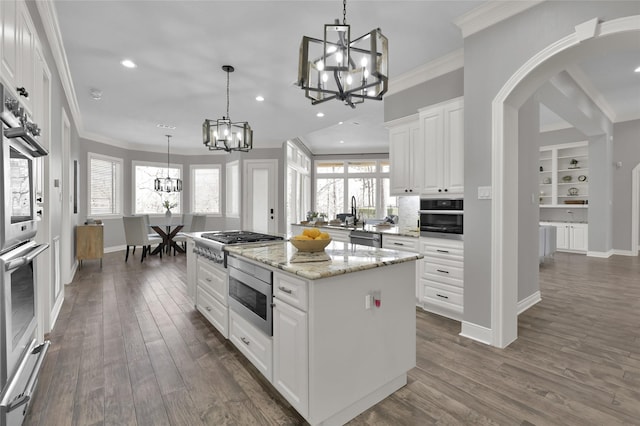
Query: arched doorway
x=593 y=37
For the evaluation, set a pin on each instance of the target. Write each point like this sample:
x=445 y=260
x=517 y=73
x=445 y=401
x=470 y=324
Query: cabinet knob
x=22 y=92
x=411 y=190
x=406 y=190
x=439 y=190
x=446 y=190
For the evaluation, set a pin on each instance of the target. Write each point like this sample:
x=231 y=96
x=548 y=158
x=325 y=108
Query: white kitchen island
x=333 y=353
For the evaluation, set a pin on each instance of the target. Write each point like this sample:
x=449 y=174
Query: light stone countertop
x=338 y=258
x=392 y=230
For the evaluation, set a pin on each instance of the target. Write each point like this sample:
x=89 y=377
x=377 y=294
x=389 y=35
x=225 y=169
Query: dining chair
x=198 y=223
x=136 y=234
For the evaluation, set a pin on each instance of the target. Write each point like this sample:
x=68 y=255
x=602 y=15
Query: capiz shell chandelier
x=225 y=135
x=338 y=67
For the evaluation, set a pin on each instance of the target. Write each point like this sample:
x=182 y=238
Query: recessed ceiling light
x=341 y=141
x=259 y=98
x=128 y=63
x=340 y=122
x=166 y=126
x=637 y=69
x=320 y=114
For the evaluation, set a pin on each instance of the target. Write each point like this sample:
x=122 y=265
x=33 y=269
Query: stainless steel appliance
x=251 y=293
x=211 y=244
x=443 y=218
x=20 y=148
x=366 y=238
x=20 y=356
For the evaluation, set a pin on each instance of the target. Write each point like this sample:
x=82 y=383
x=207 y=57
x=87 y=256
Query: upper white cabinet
x=442 y=132
x=405 y=156
x=564 y=175
x=18 y=49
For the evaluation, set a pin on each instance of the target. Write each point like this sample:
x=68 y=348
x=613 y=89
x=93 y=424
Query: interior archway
x=504 y=243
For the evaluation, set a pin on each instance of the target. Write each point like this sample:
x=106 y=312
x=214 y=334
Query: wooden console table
x=89 y=242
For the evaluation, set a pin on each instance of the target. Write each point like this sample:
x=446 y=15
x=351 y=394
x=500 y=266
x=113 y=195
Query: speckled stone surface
x=393 y=230
x=338 y=258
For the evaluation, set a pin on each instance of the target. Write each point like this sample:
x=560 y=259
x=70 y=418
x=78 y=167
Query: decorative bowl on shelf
x=547 y=180
x=567 y=178
x=582 y=178
x=310 y=246
x=573 y=191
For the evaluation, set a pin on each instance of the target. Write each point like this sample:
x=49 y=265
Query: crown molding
x=490 y=13
x=51 y=25
x=585 y=84
x=443 y=65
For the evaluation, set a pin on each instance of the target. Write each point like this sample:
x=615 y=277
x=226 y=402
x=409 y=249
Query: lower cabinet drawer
x=213 y=279
x=253 y=343
x=213 y=310
x=438 y=295
x=449 y=270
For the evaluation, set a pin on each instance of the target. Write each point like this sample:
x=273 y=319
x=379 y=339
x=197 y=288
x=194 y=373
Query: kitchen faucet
x=353 y=209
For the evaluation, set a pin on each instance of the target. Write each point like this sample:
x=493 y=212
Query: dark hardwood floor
x=129 y=349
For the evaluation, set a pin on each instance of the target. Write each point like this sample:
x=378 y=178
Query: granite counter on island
x=344 y=326
x=338 y=258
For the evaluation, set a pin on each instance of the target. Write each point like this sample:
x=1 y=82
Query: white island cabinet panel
x=252 y=342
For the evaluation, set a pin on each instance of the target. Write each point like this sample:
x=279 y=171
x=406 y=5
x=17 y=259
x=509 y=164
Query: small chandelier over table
x=339 y=68
x=167 y=184
x=225 y=135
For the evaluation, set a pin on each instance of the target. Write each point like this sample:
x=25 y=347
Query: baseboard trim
x=528 y=302
x=114 y=248
x=602 y=254
x=476 y=332
x=624 y=252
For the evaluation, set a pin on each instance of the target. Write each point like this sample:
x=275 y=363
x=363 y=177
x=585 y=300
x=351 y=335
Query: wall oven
x=20 y=356
x=20 y=148
x=442 y=218
x=251 y=293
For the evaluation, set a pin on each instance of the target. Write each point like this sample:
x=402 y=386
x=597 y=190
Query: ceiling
x=180 y=46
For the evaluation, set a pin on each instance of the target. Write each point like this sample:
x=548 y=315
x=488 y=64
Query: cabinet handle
x=208 y=309
x=442 y=251
x=208 y=280
x=439 y=190
x=399 y=244
x=443 y=271
x=443 y=296
x=411 y=190
x=245 y=341
x=446 y=190
x=284 y=289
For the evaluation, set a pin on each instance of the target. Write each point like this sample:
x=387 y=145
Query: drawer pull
x=442 y=251
x=245 y=341
x=208 y=280
x=399 y=244
x=443 y=296
x=443 y=271
x=208 y=308
x=284 y=289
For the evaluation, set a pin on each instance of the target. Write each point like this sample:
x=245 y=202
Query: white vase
x=167 y=214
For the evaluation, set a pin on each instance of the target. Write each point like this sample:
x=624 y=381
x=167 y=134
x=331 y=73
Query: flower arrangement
x=168 y=205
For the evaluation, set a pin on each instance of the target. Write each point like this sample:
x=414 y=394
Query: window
x=338 y=181
x=105 y=185
x=232 y=193
x=205 y=189
x=298 y=185
x=146 y=200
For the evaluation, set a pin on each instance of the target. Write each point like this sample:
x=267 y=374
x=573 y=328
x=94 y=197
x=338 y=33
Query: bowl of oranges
x=311 y=240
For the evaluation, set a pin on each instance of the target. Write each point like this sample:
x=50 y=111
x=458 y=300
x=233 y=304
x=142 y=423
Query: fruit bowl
x=310 y=246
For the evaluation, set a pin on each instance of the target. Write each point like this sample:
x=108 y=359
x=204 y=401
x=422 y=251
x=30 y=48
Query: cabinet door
x=291 y=355
x=9 y=14
x=579 y=237
x=26 y=44
x=562 y=236
x=453 y=148
x=399 y=157
x=431 y=129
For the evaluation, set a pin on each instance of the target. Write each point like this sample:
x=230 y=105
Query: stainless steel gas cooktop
x=237 y=237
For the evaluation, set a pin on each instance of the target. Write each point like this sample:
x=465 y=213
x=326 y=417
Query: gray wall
x=114 y=230
x=626 y=148
x=491 y=57
x=439 y=89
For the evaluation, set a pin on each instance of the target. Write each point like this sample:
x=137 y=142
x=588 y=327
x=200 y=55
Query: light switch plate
x=484 y=193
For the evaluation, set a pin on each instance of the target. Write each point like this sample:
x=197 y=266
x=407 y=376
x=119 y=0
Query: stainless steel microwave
x=442 y=217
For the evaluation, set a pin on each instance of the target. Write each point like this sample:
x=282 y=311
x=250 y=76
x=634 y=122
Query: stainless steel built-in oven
x=442 y=218
x=20 y=356
x=251 y=293
x=18 y=153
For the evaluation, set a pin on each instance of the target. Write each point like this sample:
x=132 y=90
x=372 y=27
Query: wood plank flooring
x=129 y=349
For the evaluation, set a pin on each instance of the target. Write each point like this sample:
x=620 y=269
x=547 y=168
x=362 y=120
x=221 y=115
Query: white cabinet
x=397 y=242
x=572 y=237
x=564 y=175
x=405 y=156
x=252 y=342
x=18 y=48
x=442 y=133
x=441 y=274
x=211 y=293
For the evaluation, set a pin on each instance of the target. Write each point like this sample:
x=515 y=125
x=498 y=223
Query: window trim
x=135 y=163
x=120 y=201
x=229 y=192
x=192 y=188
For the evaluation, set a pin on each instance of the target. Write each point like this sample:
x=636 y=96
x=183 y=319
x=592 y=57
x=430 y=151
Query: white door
x=261 y=196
